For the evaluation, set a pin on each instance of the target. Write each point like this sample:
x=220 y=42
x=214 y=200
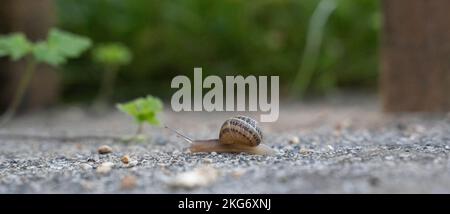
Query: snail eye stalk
x=186 y=138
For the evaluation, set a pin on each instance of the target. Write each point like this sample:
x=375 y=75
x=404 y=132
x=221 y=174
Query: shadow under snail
x=237 y=134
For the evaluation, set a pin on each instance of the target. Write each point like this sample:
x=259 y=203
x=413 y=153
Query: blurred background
x=315 y=50
x=229 y=37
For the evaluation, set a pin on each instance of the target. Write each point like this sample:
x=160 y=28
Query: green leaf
x=143 y=109
x=60 y=46
x=43 y=53
x=15 y=45
x=113 y=54
x=68 y=44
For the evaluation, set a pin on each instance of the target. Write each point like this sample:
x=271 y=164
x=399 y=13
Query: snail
x=237 y=134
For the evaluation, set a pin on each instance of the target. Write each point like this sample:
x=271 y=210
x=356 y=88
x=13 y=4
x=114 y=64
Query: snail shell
x=240 y=130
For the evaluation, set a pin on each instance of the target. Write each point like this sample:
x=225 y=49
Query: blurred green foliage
x=225 y=37
x=60 y=46
x=111 y=55
x=143 y=110
x=15 y=46
x=56 y=50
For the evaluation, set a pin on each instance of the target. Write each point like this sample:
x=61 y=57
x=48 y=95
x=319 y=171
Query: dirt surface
x=345 y=146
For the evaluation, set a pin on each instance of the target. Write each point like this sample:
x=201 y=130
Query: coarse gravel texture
x=345 y=146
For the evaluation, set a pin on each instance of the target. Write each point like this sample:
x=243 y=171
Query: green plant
x=143 y=110
x=56 y=50
x=111 y=56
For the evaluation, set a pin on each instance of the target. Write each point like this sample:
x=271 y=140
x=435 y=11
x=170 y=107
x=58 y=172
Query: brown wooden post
x=34 y=18
x=415 y=55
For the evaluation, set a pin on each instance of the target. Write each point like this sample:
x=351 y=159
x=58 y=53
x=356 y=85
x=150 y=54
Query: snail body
x=215 y=146
x=237 y=134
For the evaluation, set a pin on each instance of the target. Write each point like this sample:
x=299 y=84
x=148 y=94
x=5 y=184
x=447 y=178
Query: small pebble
x=304 y=151
x=110 y=164
x=163 y=164
x=200 y=177
x=207 y=160
x=131 y=164
x=214 y=153
x=128 y=182
x=125 y=159
x=404 y=155
x=294 y=140
x=85 y=166
x=105 y=167
x=104 y=149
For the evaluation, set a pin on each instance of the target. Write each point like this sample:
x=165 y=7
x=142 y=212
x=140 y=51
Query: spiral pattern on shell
x=240 y=130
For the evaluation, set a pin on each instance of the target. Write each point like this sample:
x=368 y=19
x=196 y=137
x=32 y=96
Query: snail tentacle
x=186 y=138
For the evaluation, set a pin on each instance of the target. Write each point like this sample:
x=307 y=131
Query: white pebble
x=131 y=164
x=294 y=140
x=85 y=166
x=105 y=167
x=199 y=177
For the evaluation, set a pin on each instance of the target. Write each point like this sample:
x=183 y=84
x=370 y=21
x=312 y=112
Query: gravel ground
x=344 y=147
